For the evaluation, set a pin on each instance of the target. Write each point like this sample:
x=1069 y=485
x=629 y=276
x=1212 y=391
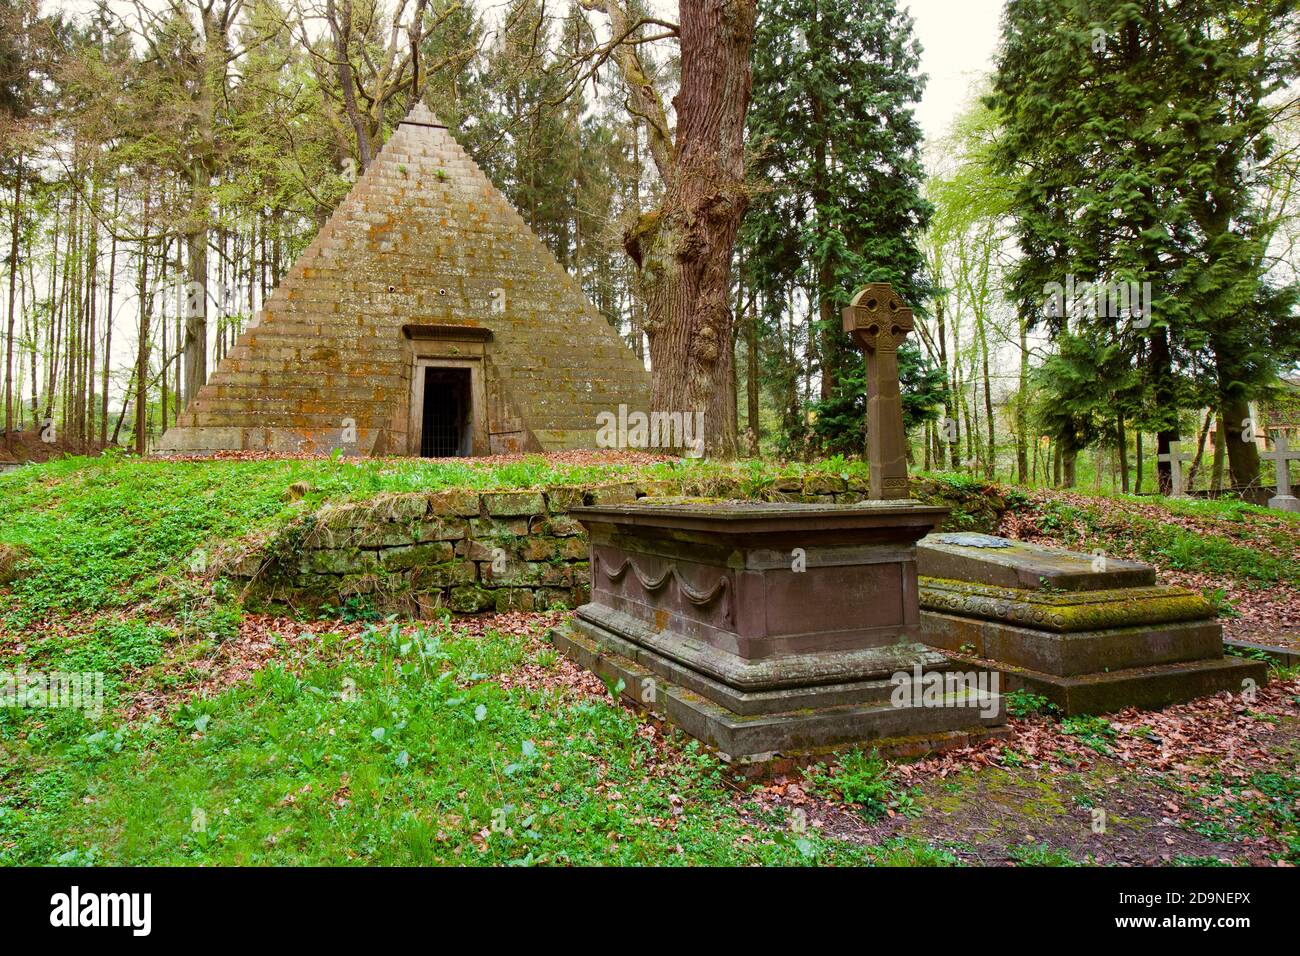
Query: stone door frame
x=448 y=347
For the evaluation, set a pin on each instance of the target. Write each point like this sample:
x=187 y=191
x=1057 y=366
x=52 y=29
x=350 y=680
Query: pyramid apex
x=421 y=115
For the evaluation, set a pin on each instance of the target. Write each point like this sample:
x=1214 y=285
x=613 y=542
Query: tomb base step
x=1072 y=654
x=1147 y=688
x=814 y=726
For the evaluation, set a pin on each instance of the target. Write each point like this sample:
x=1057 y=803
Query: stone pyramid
x=424 y=265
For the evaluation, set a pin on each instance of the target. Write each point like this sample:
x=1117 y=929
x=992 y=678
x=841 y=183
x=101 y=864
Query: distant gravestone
x=1175 y=458
x=878 y=321
x=1282 y=455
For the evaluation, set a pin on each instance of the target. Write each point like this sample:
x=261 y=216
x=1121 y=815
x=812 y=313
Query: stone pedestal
x=1284 y=502
x=771 y=629
x=1091 y=634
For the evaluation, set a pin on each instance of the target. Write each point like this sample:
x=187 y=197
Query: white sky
x=958 y=40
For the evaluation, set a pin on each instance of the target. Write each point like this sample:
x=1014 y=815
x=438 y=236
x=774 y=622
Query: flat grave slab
x=987 y=559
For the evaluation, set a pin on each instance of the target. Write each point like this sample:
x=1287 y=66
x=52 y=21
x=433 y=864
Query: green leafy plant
x=1024 y=702
x=1094 y=732
x=863 y=779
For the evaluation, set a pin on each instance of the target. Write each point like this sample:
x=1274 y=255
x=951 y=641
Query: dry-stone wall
x=473 y=551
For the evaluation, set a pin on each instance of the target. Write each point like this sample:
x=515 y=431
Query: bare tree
x=683 y=248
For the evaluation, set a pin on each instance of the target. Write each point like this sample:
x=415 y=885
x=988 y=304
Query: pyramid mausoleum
x=425 y=318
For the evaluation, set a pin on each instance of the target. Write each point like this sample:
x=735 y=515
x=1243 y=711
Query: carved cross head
x=877 y=319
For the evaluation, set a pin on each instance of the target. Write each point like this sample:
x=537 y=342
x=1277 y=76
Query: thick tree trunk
x=1220 y=449
x=196 y=306
x=990 y=463
x=1137 y=453
x=1121 y=440
x=1162 y=374
x=1243 y=456
x=684 y=249
x=212 y=80
x=13 y=286
x=1022 y=403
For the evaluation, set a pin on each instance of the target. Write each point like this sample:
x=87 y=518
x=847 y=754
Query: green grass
x=1169 y=545
x=116 y=531
x=1040 y=854
x=403 y=750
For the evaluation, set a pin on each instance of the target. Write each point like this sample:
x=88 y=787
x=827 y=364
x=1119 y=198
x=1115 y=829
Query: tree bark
x=13 y=287
x=990 y=463
x=108 y=332
x=340 y=23
x=1162 y=375
x=1121 y=438
x=1243 y=456
x=684 y=248
x=1137 y=453
x=142 y=351
x=1220 y=449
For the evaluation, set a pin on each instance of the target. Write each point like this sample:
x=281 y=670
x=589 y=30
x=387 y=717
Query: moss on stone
x=11 y=558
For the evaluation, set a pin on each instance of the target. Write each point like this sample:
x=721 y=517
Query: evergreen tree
x=838 y=175
x=535 y=152
x=1130 y=130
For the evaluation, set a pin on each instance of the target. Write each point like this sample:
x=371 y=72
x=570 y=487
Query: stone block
x=659 y=488
x=788 y=483
x=469 y=598
x=557 y=526
x=516 y=573
x=441 y=529
x=819 y=484
x=613 y=493
x=514 y=599
x=539 y=549
x=476 y=550
x=514 y=503
x=387 y=534
x=555 y=599
x=1003 y=562
x=444 y=575
x=461 y=504
x=562 y=498
x=497 y=528
x=399 y=507
x=339 y=561
x=1072 y=631
x=416 y=555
